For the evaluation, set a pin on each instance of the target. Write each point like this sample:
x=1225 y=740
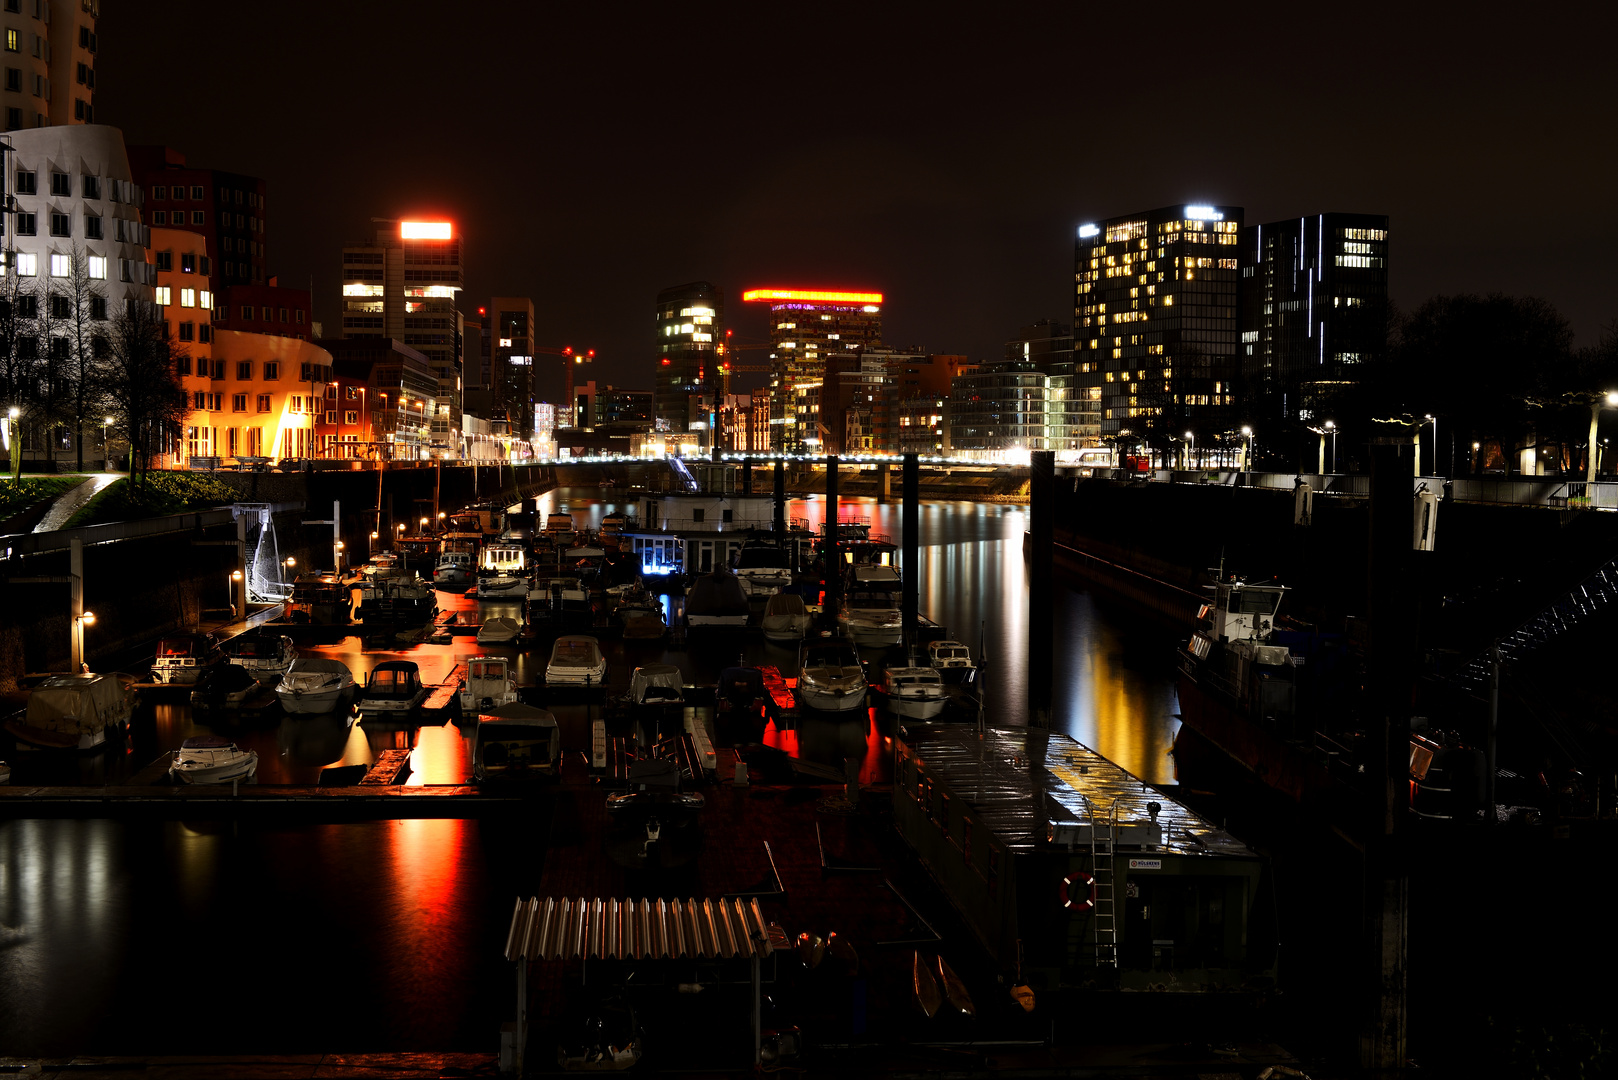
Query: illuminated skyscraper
x=690 y=319
x=806 y=325
x=1155 y=305
x=403 y=286
x=1314 y=309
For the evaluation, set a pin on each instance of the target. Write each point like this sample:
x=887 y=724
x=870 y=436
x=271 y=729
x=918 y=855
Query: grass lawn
x=159 y=493
x=28 y=490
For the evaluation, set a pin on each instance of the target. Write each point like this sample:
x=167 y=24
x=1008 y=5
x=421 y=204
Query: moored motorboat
x=952 y=660
x=914 y=692
x=871 y=615
x=394 y=688
x=315 y=685
x=786 y=619
x=641 y=614
x=502 y=574
x=224 y=686
x=764 y=569
x=716 y=599
x=516 y=742
x=454 y=568
x=263 y=654
x=181 y=657
x=72 y=712
x=499 y=630
x=209 y=759
x=489 y=684
x=830 y=678
x=576 y=660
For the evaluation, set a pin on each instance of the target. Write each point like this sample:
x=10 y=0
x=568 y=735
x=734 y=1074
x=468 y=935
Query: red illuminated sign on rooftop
x=811 y=296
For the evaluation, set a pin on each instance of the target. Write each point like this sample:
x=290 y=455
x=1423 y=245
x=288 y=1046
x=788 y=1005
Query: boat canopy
x=187 y=645
x=580 y=652
x=741 y=684
x=718 y=593
x=656 y=681
x=76 y=704
x=785 y=604
x=207 y=742
x=830 y=652
x=255 y=645
x=487 y=667
x=393 y=678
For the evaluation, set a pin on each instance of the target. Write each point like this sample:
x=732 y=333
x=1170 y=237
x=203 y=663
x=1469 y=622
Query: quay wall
x=1493 y=567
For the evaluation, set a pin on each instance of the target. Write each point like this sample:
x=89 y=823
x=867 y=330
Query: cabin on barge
x=1076 y=872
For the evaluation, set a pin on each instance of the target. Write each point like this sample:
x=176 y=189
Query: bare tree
x=81 y=304
x=20 y=374
x=142 y=382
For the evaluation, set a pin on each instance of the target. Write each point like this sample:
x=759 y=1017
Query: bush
x=159 y=493
x=15 y=498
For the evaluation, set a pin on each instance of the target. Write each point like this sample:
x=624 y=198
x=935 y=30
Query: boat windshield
x=251 y=649
x=575 y=654
x=838 y=655
x=389 y=680
x=172 y=647
x=488 y=669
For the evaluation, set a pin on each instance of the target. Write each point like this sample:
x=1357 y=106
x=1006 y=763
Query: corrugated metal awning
x=613 y=929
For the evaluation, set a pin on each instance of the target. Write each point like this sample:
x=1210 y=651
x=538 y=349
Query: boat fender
x=1087 y=885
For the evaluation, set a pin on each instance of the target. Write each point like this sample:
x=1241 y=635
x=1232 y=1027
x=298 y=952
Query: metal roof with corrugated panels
x=1020 y=782
x=613 y=929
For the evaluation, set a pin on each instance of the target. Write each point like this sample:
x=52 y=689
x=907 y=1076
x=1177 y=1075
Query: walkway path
x=72 y=500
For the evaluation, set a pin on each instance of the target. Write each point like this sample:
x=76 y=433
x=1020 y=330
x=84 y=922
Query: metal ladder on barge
x=1104 y=919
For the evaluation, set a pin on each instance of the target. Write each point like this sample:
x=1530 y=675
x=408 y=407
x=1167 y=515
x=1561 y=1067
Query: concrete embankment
x=1493 y=566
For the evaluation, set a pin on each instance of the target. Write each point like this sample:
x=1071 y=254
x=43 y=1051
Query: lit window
x=98 y=267
x=163 y=299
x=61 y=266
x=27 y=264
x=207 y=299
x=188 y=298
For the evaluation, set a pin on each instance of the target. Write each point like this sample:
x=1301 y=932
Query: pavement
x=72 y=500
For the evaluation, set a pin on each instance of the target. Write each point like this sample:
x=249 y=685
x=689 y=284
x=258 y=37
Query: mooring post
x=1393 y=650
x=75 y=570
x=884 y=485
x=1041 y=601
x=241 y=564
x=834 y=556
x=910 y=519
x=337 y=537
x=747 y=476
x=780 y=499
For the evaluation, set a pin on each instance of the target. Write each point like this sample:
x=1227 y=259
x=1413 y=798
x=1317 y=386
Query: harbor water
x=141 y=936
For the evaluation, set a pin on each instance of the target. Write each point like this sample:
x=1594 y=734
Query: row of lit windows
x=1364 y=234
x=1360 y=262
x=61 y=266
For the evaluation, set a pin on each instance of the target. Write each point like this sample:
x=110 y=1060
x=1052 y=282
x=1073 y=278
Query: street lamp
x=87 y=618
x=1247 y=454
x=1190 y=448
x=1427 y=418
x=106 y=463
x=370 y=545
x=1331 y=428
x=14 y=442
x=235 y=578
x=1475 y=448
x=287 y=566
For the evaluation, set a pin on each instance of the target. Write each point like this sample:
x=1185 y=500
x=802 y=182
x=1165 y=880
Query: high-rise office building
x=50 y=53
x=403 y=286
x=1314 y=309
x=689 y=322
x=1155 y=305
x=807 y=325
x=1073 y=387
x=509 y=364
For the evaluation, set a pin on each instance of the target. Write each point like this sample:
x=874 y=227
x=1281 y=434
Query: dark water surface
x=168 y=937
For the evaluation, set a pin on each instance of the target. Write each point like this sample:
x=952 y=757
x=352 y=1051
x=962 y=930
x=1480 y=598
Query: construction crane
x=727 y=367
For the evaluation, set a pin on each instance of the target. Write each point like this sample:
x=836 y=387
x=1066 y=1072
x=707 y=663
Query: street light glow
x=88 y=618
x=1612 y=399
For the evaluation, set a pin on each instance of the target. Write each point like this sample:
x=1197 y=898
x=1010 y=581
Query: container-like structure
x=1059 y=859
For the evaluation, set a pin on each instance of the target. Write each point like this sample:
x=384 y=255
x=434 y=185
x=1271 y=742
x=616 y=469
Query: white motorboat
x=181 y=658
x=953 y=661
x=499 y=630
x=576 y=660
x=73 y=712
x=870 y=615
x=264 y=655
x=915 y=692
x=502 y=574
x=830 y=678
x=489 y=684
x=559 y=528
x=315 y=685
x=786 y=619
x=394 y=688
x=764 y=569
x=642 y=615
x=454 y=568
x=209 y=759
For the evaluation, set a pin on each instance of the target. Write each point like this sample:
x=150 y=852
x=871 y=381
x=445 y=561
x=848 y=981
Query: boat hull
x=176 y=676
x=916 y=708
x=831 y=699
x=217 y=774
x=30 y=737
x=321 y=701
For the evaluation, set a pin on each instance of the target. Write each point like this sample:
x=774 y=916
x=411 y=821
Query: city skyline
x=958 y=201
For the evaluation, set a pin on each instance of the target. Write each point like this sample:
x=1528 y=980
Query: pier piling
x=910 y=516
x=1041 y=583
x=834 y=555
x=780 y=499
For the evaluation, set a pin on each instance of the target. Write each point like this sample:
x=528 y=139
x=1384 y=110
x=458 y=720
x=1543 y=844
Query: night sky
x=593 y=154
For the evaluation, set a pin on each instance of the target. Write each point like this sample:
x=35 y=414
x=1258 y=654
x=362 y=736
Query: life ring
x=1087 y=883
